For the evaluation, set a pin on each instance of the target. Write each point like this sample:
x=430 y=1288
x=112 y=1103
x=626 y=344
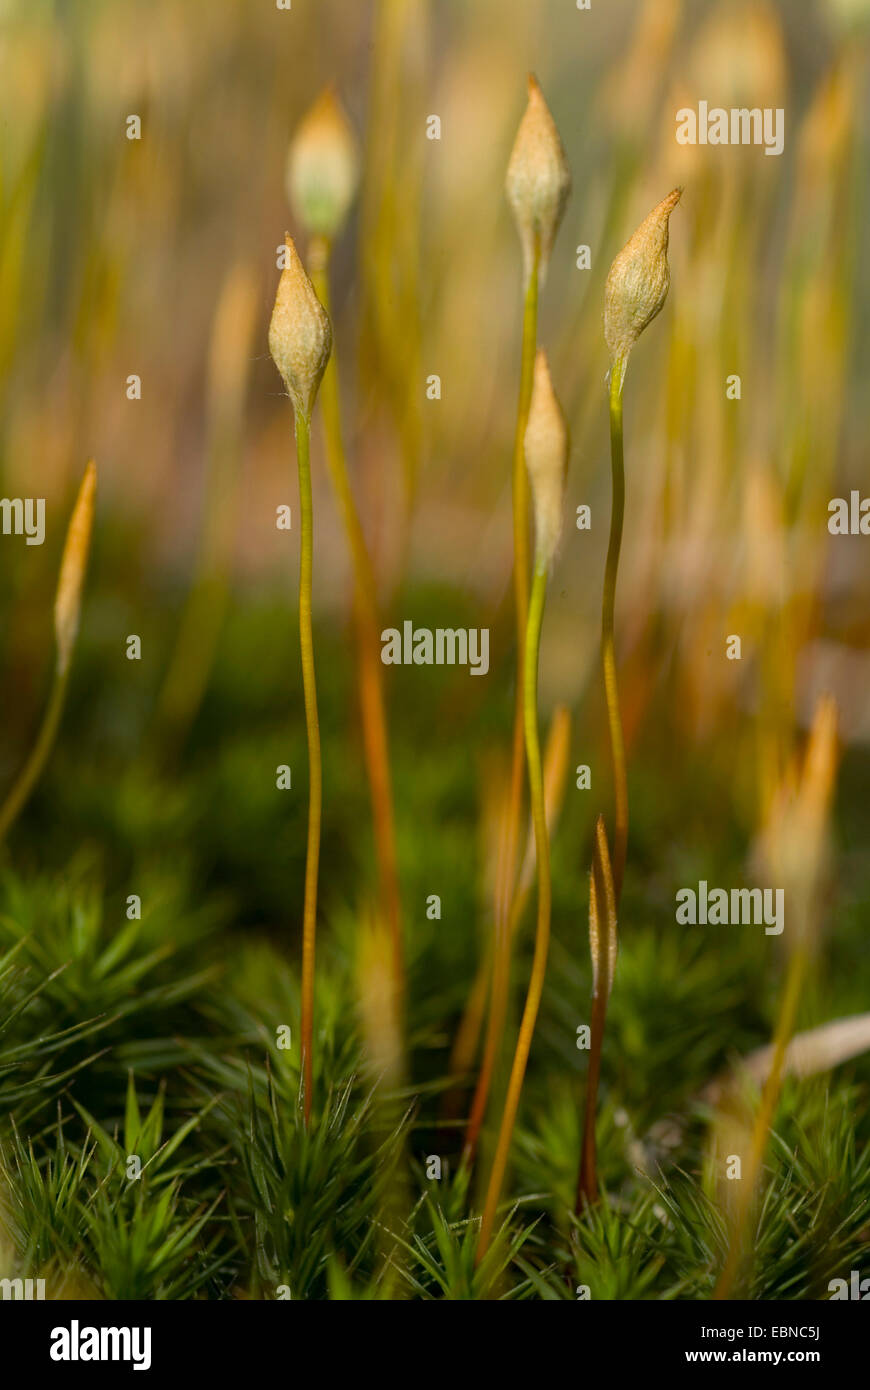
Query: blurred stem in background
x=67 y=609
x=390 y=341
x=603 y=943
x=381 y=1027
x=750 y=1171
x=793 y=853
x=372 y=703
x=30 y=774
x=816 y=312
x=199 y=632
x=608 y=653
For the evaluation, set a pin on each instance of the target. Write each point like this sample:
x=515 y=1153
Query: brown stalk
x=603 y=944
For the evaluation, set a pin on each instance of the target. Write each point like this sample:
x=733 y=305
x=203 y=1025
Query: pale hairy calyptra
x=538 y=181
x=300 y=334
x=637 y=283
